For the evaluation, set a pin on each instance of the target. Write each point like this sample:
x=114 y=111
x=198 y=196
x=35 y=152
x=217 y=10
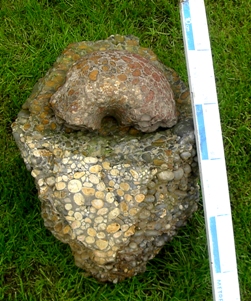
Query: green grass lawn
x=33 y=264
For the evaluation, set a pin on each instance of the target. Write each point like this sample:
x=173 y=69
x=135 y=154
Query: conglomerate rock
x=116 y=83
x=114 y=192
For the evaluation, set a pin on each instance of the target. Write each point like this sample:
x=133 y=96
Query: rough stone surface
x=116 y=195
x=115 y=83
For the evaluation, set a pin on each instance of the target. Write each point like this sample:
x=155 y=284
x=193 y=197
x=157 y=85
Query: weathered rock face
x=115 y=83
x=118 y=193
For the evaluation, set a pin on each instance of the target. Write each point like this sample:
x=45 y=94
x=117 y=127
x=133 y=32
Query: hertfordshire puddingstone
x=108 y=137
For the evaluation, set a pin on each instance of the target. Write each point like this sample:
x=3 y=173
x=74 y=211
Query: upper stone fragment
x=115 y=83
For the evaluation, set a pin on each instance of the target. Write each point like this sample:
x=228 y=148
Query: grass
x=33 y=264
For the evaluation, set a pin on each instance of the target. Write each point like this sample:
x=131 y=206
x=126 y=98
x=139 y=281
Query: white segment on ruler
x=210 y=152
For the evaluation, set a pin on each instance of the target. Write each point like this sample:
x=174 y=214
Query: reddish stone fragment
x=109 y=88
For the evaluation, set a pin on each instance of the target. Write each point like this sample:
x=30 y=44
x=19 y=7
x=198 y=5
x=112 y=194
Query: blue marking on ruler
x=202 y=132
x=215 y=245
x=188 y=25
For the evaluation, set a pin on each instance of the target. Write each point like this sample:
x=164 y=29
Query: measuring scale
x=210 y=151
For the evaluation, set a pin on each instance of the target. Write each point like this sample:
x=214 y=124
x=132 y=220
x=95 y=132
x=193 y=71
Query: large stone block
x=108 y=137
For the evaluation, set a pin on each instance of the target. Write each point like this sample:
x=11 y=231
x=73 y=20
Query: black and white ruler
x=210 y=151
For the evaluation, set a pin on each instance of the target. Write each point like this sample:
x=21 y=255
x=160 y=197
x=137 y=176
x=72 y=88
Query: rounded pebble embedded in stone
x=124 y=186
x=114 y=172
x=187 y=168
x=97 y=203
x=112 y=228
x=78 y=175
x=101 y=244
x=166 y=175
x=102 y=211
x=91 y=232
x=117 y=234
x=67 y=229
x=113 y=214
x=93 y=179
x=180 y=193
x=130 y=231
x=78 y=216
x=92 y=210
x=144 y=214
x=101 y=186
x=76 y=224
x=185 y=155
x=78 y=199
x=110 y=197
x=81 y=238
x=60 y=186
x=111 y=183
x=133 y=211
x=101 y=235
x=100 y=195
x=50 y=181
x=90 y=239
x=95 y=168
x=149 y=199
x=134 y=174
x=133 y=245
x=74 y=186
x=92 y=160
x=178 y=174
x=123 y=206
x=88 y=191
x=120 y=192
x=139 y=198
x=124 y=227
x=128 y=197
x=87 y=184
x=68 y=206
x=151 y=233
x=101 y=226
x=99 y=220
x=106 y=165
